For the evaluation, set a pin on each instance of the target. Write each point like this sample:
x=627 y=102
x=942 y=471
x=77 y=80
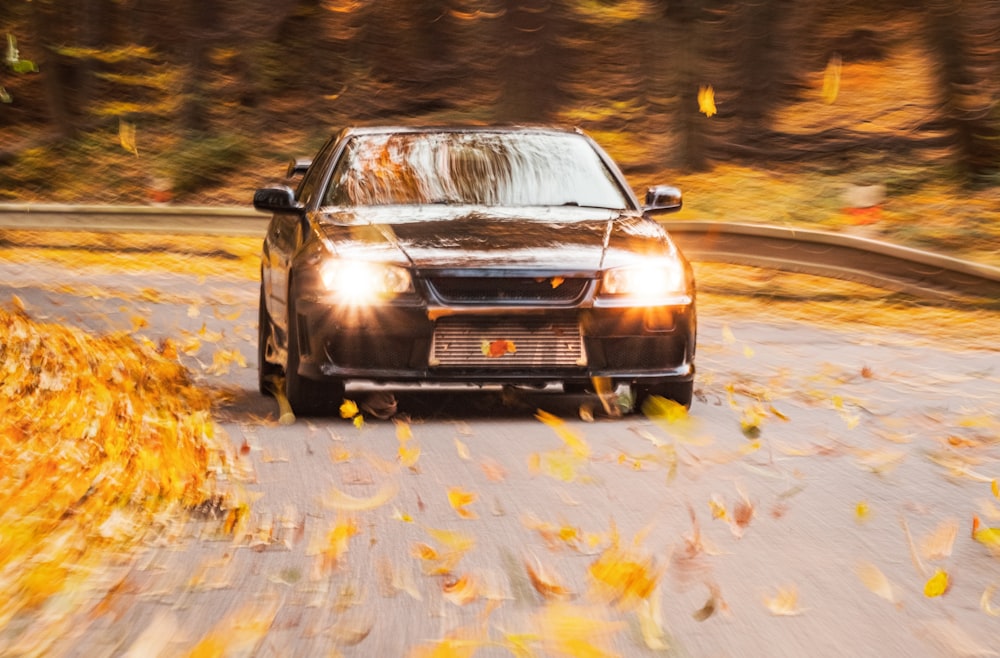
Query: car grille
x=502 y=290
x=503 y=343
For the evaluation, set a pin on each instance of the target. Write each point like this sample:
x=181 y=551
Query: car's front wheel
x=680 y=392
x=308 y=397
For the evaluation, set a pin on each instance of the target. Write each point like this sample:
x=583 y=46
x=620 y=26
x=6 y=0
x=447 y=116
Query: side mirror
x=279 y=198
x=663 y=199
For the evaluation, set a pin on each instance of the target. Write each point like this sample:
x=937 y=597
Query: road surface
x=771 y=521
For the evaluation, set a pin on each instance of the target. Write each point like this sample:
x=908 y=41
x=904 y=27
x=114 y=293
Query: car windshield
x=473 y=168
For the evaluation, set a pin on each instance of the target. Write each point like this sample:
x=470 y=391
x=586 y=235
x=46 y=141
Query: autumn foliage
x=97 y=434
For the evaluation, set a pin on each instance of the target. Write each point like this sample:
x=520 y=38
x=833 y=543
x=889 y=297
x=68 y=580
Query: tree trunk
x=45 y=24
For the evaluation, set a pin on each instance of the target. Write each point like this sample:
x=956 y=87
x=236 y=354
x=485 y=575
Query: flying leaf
x=706 y=100
x=348 y=409
x=995 y=488
x=126 y=135
x=462 y=449
x=831 y=79
x=937 y=585
x=862 y=511
x=575 y=631
x=651 y=624
x=785 y=603
x=876 y=581
x=459 y=499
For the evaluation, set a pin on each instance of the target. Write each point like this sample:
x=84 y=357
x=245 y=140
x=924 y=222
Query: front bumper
x=396 y=343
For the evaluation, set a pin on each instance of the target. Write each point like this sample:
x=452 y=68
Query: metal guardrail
x=837 y=255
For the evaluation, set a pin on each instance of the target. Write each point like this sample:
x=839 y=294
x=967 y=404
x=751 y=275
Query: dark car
x=513 y=255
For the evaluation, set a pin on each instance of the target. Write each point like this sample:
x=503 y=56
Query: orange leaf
x=545 y=582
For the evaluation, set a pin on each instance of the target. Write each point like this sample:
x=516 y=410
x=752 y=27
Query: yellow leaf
x=460 y=499
x=463 y=450
x=572 y=440
x=831 y=79
x=937 y=585
x=862 y=511
x=408 y=455
x=576 y=631
x=995 y=488
x=358 y=421
x=403 y=431
x=126 y=136
x=18 y=304
x=718 y=508
x=706 y=100
x=989 y=537
x=785 y=603
x=348 y=409
x=651 y=624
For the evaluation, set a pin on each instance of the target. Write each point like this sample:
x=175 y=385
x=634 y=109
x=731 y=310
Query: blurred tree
x=963 y=37
x=681 y=39
x=531 y=60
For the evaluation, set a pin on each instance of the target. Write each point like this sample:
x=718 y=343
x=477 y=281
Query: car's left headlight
x=362 y=282
x=650 y=281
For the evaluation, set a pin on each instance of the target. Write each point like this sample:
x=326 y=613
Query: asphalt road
x=859 y=431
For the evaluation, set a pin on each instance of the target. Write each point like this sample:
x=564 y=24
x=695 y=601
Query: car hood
x=568 y=239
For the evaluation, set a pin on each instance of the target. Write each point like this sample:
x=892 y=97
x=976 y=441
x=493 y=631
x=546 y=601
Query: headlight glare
x=362 y=282
x=644 y=281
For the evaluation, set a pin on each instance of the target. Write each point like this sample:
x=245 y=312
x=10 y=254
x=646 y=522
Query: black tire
x=680 y=392
x=308 y=397
x=266 y=372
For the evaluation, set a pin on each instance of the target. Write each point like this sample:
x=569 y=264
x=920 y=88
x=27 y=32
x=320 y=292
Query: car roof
x=385 y=130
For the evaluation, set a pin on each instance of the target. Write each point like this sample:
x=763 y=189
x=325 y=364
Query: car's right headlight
x=645 y=282
x=362 y=282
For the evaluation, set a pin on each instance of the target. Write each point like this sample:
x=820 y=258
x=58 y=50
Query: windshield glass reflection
x=480 y=168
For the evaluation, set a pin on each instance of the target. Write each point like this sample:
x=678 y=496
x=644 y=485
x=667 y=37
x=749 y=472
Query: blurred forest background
x=744 y=103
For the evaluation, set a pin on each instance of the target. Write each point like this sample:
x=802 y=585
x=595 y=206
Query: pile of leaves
x=97 y=436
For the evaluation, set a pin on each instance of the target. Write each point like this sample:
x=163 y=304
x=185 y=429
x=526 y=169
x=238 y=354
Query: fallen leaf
x=985 y=602
x=461 y=591
x=339 y=500
x=937 y=585
x=938 y=544
x=546 y=582
x=462 y=449
x=875 y=580
x=785 y=603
